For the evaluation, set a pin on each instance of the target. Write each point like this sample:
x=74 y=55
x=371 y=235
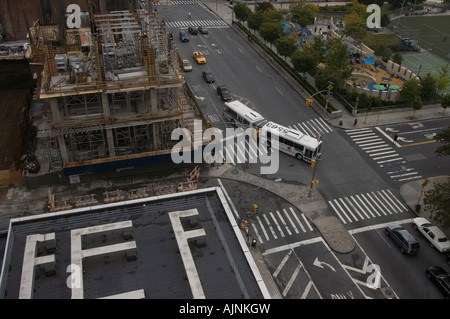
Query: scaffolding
x=114 y=88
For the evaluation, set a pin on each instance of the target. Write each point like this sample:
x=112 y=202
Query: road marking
x=262 y=227
x=290 y=220
x=419 y=143
x=281 y=265
x=291 y=280
x=270 y=226
x=276 y=224
x=284 y=223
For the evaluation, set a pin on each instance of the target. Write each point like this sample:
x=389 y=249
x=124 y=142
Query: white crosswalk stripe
x=366 y=206
x=210 y=24
x=279 y=224
x=382 y=153
x=312 y=127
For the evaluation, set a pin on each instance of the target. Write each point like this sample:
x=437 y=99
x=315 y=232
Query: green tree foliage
x=428 y=91
x=337 y=65
x=264 y=6
x=444 y=138
x=445 y=101
x=286 y=46
x=303 y=61
x=410 y=90
x=302 y=12
x=438 y=203
x=397 y=58
x=274 y=15
x=271 y=31
x=256 y=19
x=241 y=11
x=442 y=80
x=383 y=50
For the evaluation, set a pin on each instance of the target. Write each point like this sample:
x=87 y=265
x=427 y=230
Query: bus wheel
x=299 y=156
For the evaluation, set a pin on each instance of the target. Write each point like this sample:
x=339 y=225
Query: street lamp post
x=313 y=181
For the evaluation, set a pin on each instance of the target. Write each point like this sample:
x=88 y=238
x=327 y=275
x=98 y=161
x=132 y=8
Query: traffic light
x=309 y=102
x=258 y=133
x=313 y=163
x=255 y=209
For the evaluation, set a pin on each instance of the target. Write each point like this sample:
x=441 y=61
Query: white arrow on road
x=201 y=98
x=391 y=130
x=320 y=264
x=404 y=140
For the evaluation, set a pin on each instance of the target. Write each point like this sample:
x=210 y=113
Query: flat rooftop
x=177 y=246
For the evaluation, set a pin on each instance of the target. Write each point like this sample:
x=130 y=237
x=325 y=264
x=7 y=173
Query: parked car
x=224 y=93
x=403 y=239
x=203 y=30
x=187 y=66
x=440 y=278
x=192 y=30
x=183 y=36
x=199 y=58
x=434 y=235
x=208 y=76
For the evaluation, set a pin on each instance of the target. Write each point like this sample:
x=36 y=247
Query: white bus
x=290 y=141
x=241 y=115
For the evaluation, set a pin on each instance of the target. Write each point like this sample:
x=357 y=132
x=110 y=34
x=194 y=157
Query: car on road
x=199 y=57
x=208 y=76
x=403 y=239
x=183 y=36
x=187 y=66
x=434 y=234
x=224 y=93
x=203 y=30
x=193 y=30
x=440 y=278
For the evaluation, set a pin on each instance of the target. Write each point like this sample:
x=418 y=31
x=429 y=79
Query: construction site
x=107 y=96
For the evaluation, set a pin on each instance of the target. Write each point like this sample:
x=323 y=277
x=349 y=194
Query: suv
x=192 y=30
x=208 y=76
x=184 y=36
x=403 y=239
x=434 y=235
x=224 y=93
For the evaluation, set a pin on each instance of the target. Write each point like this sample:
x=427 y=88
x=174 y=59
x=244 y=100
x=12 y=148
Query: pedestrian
x=189 y=15
x=355 y=122
x=395 y=137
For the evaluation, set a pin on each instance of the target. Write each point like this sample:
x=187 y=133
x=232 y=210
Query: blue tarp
x=369 y=60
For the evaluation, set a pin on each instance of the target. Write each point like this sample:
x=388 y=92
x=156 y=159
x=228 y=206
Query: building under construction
x=109 y=94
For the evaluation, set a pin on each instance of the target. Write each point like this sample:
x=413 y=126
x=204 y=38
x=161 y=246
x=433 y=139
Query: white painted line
x=360 y=208
x=270 y=226
x=395 y=202
x=276 y=224
x=228 y=198
x=284 y=223
x=291 y=281
x=349 y=202
x=298 y=221
x=349 y=210
x=307 y=222
x=387 y=136
x=281 y=265
x=382 y=144
x=262 y=228
x=376 y=204
x=378 y=226
x=257 y=233
x=382 y=204
x=370 y=204
x=337 y=212
x=365 y=206
x=290 y=220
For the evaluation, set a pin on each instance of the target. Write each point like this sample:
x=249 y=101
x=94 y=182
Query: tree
x=397 y=58
x=437 y=201
x=303 y=61
x=444 y=138
x=383 y=50
x=416 y=104
x=428 y=91
x=255 y=20
x=442 y=80
x=274 y=15
x=445 y=101
x=241 y=11
x=271 y=31
x=410 y=94
x=286 y=46
x=303 y=13
x=355 y=27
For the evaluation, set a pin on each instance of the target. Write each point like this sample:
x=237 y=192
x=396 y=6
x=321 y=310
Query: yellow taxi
x=199 y=57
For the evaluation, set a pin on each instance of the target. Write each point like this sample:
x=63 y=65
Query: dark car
x=203 y=30
x=403 y=239
x=440 y=278
x=183 y=36
x=192 y=30
x=208 y=76
x=224 y=93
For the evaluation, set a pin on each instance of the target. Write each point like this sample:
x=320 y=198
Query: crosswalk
x=210 y=24
x=279 y=224
x=383 y=154
x=313 y=127
x=176 y=2
x=369 y=205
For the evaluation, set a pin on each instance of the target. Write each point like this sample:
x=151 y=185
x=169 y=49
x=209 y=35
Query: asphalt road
x=359 y=181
